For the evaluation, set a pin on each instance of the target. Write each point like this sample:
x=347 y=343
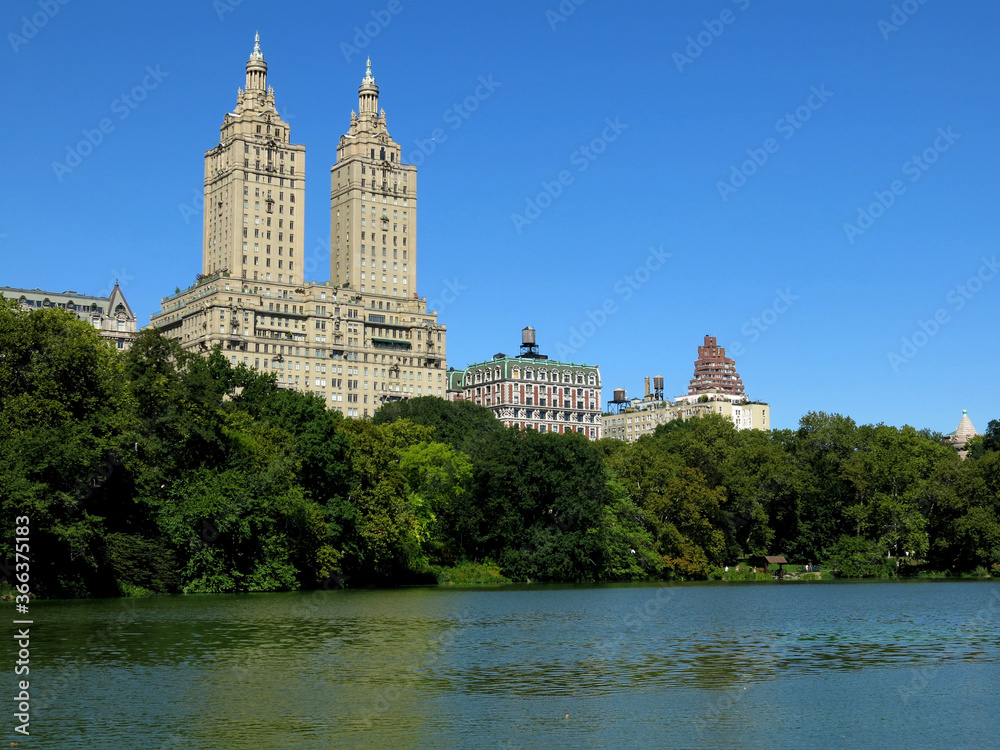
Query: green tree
x=383 y=542
x=66 y=434
x=764 y=490
x=967 y=521
x=454 y=422
x=856 y=557
x=893 y=473
x=684 y=513
x=819 y=448
x=438 y=479
x=537 y=504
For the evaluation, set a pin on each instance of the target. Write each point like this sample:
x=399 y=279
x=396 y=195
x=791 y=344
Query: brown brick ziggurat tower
x=714 y=372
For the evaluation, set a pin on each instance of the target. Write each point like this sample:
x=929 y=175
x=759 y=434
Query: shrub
x=470 y=574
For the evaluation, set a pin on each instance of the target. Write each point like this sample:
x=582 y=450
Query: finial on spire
x=368 y=71
x=256 y=48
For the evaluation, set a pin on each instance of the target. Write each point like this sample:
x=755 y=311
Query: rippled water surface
x=882 y=665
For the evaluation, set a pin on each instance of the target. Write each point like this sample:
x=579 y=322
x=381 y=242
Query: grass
x=745 y=573
x=131 y=590
x=471 y=574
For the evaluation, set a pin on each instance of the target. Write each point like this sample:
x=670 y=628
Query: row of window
x=496 y=373
x=246 y=148
x=64 y=305
x=555 y=428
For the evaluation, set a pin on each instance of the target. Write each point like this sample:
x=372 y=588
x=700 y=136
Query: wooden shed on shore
x=766 y=560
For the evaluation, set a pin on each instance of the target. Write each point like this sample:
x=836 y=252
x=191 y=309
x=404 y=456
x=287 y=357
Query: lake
x=712 y=665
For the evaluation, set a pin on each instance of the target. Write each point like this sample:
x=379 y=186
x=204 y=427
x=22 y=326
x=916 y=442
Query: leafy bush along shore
x=158 y=471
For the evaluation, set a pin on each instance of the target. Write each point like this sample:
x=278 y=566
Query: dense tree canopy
x=160 y=470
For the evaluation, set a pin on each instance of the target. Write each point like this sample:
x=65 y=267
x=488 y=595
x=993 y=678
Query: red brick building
x=714 y=372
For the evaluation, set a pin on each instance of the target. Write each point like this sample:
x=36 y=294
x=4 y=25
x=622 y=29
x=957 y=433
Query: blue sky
x=815 y=184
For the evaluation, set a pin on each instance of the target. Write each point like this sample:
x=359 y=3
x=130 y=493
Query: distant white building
x=641 y=417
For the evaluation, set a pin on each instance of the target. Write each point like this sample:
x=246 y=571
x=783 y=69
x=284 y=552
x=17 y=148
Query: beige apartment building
x=111 y=316
x=643 y=417
x=357 y=341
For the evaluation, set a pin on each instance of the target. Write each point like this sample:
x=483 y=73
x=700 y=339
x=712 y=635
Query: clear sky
x=814 y=183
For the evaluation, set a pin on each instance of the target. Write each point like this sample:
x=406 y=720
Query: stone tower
x=255 y=182
x=963 y=434
x=373 y=206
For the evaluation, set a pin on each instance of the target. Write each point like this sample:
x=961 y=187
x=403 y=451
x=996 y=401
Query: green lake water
x=782 y=665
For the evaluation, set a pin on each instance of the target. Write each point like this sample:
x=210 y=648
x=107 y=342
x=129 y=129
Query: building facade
x=531 y=391
x=373 y=211
x=716 y=388
x=255 y=189
x=354 y=346
x=643 y=417
x=714 y=372
x=111 y=315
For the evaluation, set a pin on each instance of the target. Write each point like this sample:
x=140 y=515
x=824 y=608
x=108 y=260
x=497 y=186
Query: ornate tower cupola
x=256 y=96
x=369 y=118
x=256 y=68
x=368 y=94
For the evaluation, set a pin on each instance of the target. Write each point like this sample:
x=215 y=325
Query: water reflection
x=631 y=666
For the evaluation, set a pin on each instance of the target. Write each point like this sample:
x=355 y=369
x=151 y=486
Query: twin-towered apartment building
x=361 y=339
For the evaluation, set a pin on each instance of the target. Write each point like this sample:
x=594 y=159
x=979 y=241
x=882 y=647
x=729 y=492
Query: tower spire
x=368 y=94
x=256 y=68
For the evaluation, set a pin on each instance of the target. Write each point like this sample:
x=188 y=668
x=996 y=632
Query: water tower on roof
x=658 y=387
x=618 y=402
x=529 y=347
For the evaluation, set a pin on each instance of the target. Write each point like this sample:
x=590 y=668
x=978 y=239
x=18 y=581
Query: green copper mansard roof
x=510 y=368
